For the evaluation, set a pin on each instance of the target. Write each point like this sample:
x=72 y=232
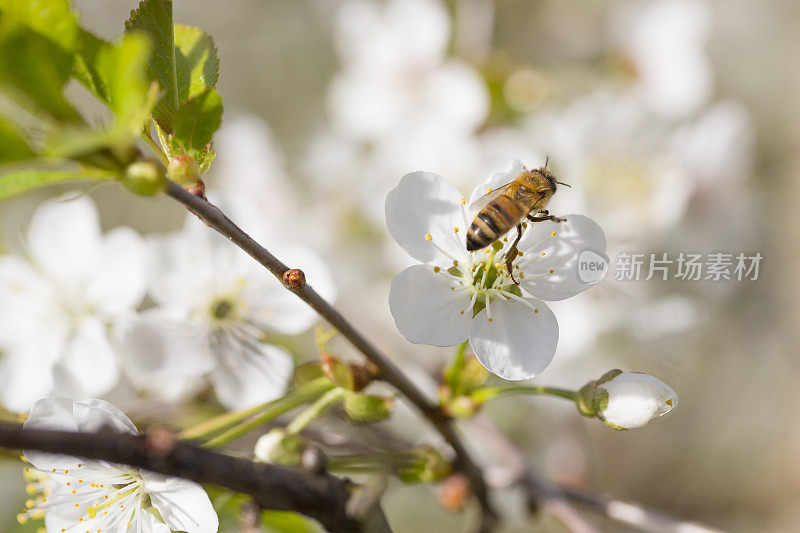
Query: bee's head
x=549 y=178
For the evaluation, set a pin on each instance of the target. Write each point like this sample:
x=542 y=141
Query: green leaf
x=154 y=19
x=196 y=122
x=197 y=63
x=13 y=146
x=33 y=71
x=84 y=68
x=22 y=181
x=52 y=19
x=122 y=70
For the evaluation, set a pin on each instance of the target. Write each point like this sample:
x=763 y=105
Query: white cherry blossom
x=88 y=495
x=216 y=310
x=455 y=295
x=58 y=303
x=395 y=71
x=665 y=40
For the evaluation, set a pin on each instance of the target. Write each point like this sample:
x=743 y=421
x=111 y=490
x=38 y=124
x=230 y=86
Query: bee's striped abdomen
x=492 y=222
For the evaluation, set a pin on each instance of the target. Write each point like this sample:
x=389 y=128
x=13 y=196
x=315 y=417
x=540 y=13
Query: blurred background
x=675 y=123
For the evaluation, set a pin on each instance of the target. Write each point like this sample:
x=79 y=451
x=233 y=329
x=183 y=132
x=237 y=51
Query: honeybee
x=501 y=209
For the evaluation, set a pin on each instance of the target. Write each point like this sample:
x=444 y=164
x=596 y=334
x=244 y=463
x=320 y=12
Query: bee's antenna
x=562 y=183
x=546 y=160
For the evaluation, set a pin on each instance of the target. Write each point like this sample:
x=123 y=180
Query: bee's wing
x=478 y=204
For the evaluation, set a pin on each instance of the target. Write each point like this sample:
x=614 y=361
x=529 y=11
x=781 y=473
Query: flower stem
x=490 y=393
x=315 y=410
x=230 y=426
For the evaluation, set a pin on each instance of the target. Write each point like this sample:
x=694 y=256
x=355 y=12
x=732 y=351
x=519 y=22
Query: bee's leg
x=512 y=253
x=544 y=215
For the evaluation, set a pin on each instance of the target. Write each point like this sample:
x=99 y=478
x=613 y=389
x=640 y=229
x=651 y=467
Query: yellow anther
x=463 y=201
x=535 y=310
x=66 y=471
x=80 y=519
x=54 y=470
x=74 y=491
x=455 y=229
x=488 y=190
x=542 y=254
x=505 y=239
x=455 y=262
x=519 y=253
x=436 y=269
x=428 y=237
x=552 y=271
x=44 y=500
x=29 y=503
x=553 y=234
x=76 y=505
x=524 y=225
x=462 y=312
x=79 y=465
x=92 y=512
x=669 y=402
x=68 y=483
x=80 y=481
x=490 y=320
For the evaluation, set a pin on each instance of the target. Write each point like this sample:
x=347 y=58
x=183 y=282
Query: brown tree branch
x=388 y=371
x=322 y=496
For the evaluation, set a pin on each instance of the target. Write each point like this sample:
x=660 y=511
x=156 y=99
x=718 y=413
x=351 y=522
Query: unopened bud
x=338 y=372
x=279 y=447
x=294 y=279
x=197 y=188
x=313 y=460
x=183 y=170
x=144 y=177
x=453 y=492
x=430 y=467
x=627 y=400
x=363 y=374
x=364 y=408
x=462 y=407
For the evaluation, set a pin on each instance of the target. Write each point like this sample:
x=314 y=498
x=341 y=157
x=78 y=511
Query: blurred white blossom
x=395 y=71
x=457 y=295
x=57 y=304
x=89 y=495
x=216 y=310
x=665 y=40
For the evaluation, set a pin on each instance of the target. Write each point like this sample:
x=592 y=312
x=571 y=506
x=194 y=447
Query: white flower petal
x=64 y=238
x=518 y=343
x=151 y=524
x=51 y=413
x=426 y=310
x=249 y=372
x=89 y=360
x=426 y=204
x=561 y=255
x=634 y=399
x=183 y=504
x=163 y=356
x=25 y=376
x=95 y=415
x=120 y=281
x=459 y=95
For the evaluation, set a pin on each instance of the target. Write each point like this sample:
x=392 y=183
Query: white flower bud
x=634 y=399
x=267 y=444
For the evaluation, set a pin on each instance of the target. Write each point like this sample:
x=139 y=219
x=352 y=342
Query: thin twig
x=558 y=500
x=322 y=497
x=634 y=514
x=541 y=493
x=388 y=371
